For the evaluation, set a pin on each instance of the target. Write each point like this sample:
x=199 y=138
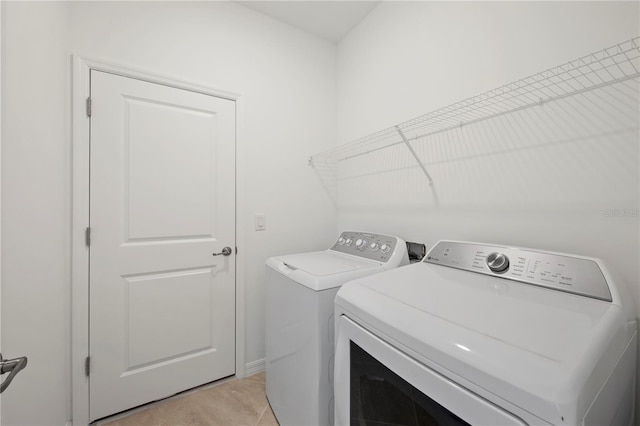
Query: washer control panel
x=370 y=246
x=566 y=273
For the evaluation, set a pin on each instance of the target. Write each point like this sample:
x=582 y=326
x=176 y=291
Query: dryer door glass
x=379 y=395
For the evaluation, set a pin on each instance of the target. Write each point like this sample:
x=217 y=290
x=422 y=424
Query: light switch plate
x=261 y=224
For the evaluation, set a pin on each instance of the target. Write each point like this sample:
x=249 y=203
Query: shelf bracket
x=415 y=155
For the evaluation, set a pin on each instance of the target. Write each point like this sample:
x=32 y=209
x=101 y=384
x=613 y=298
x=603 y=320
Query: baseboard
x=255 y=367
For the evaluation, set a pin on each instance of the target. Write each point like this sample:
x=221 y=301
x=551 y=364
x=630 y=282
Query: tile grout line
x=262 y=415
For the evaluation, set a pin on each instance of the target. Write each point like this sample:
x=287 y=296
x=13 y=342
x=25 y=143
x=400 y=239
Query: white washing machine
x=482 y=334
x=300 y=295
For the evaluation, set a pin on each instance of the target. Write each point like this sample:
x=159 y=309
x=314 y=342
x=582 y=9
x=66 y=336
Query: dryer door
x=374 y=382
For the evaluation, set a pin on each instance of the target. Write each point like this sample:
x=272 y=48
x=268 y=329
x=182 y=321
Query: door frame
x=80 y=134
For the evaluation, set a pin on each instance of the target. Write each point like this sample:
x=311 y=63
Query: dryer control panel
x=381 y=248
x=572 y=274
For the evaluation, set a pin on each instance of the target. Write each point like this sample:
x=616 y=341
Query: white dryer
x=483 y=334
x=299 y=327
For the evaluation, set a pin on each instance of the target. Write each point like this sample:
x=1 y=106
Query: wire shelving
x=615 y=64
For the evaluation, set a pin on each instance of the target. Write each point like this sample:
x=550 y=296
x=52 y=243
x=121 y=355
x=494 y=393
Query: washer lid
x=323 y=263
x=322 y=270
x=542 y=350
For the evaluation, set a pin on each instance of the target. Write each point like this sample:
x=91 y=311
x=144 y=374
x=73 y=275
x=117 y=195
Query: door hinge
x=87 y=366
x=87 y=236
x=236 y=249
x=88 y=107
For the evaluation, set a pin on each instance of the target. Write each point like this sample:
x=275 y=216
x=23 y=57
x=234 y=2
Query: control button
x=374 y=246
x=361 y=244
x=349 y=241
x=341 y=241
x=385 y=248
x=497 y=262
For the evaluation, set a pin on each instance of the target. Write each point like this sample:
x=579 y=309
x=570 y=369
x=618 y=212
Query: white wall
x=35 y=211
x=287 y=80
x=410 y=58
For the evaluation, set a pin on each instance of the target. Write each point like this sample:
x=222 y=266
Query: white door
x=162 y=202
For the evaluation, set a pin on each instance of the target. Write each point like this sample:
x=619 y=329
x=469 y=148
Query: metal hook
x=12 y=366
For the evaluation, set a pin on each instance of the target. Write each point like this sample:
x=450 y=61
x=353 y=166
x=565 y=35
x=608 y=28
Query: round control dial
x=385 y=248
x=361 y=244
x=497 y=262
x=341 y=241
x=374 y=246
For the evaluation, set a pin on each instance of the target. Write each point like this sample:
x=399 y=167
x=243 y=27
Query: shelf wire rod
x=625 y=53
x=552 y=87
x=567 y=79
x=415 y=155
x=592 y=72
x=370 y=151
x=357 y=144
x=563 y=70
x=525 y=88
x=534 y=85
x=421 y=164
x=571 y=77
x=617 y=58
x=572 y=82
x=605 y=68
x=363 y=146
x=493 y=103
x=570 y=124
x=585 y=88
x=478 y=118
x=523 y=107
x=468 y=117
x=460 y=114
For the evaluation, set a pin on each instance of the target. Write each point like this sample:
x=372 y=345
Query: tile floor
x=232 y=402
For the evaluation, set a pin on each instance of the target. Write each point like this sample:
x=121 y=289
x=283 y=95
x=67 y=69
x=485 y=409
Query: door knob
x=11 y=366
x=225 y=252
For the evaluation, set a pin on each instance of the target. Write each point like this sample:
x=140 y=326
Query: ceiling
x=331 y=19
